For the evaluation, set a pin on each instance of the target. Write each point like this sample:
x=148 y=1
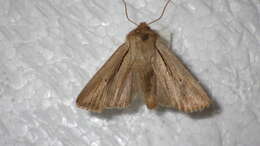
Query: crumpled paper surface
x=49 y=49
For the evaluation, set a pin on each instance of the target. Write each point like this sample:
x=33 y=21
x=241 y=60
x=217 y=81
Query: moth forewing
x=99 y=92
x=186 y=94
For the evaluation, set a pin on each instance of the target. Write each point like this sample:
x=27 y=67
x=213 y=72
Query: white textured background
x=49 y=49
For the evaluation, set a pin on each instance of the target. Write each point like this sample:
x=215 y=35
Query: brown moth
x=143 y=65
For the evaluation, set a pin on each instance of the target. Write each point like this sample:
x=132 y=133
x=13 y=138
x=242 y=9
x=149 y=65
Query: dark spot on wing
x=145 y=36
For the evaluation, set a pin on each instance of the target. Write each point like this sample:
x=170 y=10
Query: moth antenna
x=161 y=13
x=127 y=14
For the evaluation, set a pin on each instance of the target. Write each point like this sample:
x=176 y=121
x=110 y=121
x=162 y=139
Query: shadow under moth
x=143 y=66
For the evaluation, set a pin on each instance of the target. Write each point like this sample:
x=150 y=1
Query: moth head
x=143 y=26
x=143 y=32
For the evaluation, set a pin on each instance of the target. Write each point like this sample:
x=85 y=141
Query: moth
x=145 y=66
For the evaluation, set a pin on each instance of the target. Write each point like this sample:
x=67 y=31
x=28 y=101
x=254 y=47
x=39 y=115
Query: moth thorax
x=142 y=33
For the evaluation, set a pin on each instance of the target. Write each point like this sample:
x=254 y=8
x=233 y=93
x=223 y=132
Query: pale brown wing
x=110 y=86
x=175 y=85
